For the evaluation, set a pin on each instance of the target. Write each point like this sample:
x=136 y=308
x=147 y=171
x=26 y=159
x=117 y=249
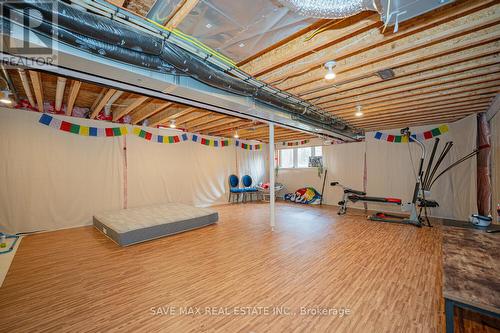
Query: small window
x=303 y=155
x=286 y=158
x=299 y=157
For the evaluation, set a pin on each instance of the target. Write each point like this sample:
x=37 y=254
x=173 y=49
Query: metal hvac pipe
x=105 y=37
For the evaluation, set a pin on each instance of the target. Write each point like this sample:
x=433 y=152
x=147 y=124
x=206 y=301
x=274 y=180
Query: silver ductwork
x=330 y=9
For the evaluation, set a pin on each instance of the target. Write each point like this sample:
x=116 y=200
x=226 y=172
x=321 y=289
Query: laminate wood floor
x=387 y=276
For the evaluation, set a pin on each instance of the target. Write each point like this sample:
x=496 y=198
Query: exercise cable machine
x=424 y=182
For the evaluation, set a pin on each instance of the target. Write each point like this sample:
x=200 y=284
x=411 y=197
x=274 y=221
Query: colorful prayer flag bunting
x=65 y=126
x=420 y=136
x=159 y=138
x=62 y=125
x=295 y=143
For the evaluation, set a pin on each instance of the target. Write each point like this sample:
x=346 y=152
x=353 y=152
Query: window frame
x=295 y=157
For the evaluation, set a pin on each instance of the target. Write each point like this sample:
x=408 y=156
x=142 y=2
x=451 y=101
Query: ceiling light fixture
x=236 y=136
x=358 y=113
x=5 y=97
x=330 y=74
x=172 y=124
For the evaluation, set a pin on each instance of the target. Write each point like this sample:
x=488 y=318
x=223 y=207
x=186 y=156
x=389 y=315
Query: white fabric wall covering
x=51 y=179
x=54 y=180
x=495 y=163
x=254 y=164
x=345 y=163
x=462 y=179
x=186 y=172
x=293 y=179
x=390 y=172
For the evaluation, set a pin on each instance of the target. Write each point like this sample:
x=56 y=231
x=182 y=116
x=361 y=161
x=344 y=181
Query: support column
x=271 y=177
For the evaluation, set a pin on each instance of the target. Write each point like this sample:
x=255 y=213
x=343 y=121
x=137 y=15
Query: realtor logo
x=28 y=34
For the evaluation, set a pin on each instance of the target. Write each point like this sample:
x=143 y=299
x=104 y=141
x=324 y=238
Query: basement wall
x=390 y=172
x=54 y=180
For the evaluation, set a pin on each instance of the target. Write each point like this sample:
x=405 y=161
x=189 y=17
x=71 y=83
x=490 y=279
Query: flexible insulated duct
x=330 y=9
x=102 y=36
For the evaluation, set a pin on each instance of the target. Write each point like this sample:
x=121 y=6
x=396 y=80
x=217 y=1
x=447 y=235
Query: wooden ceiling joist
x=215 y=124
x=299 y=48
x=61 y=85
x=422 y=120
x=394 y=95
x=454 y=111
x=165 y=115
x=190 y=116
x=231 y=128
x=438 y=108
x=421 y=106
x=36 y=81
x=450 y=95
x=406 y=50
x=374 y=38
x=469 y=69
x=183 y=9
x=209 y=118
x=26 y=86
x=99 y=104
x=131 y=107
x=148 y=110
x=429 y=65
x=74 y=89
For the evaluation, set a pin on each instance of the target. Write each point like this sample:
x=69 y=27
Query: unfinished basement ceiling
x=439 y=63
x=237 y=29
x=90 y=101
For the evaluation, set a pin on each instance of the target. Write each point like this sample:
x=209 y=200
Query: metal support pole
x=271 y=177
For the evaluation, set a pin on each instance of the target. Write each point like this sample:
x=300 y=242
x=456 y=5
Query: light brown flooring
x=74 y=280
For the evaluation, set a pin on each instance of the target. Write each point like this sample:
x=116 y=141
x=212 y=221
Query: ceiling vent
x=386 y=74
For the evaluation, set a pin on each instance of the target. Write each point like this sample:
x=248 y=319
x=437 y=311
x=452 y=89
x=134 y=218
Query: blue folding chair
x=248 y=188
x=234 y=190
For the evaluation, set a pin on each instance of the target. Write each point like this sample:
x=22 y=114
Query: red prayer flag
x=109 y=132
x=65 y=126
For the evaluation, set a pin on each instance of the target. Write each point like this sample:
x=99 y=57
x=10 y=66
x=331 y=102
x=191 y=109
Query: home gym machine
x=411 y=207
x=424 y=182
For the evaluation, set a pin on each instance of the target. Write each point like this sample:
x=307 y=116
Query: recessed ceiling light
x=208 y=26
x=330 y=74
x=241 y=45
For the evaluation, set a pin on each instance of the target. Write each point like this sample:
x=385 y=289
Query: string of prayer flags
x=419 y=136
x=160 y=138
x=248 y=146
x=65 y=126
x=295 y=143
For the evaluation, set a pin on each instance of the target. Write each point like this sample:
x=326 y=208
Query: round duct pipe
x=330 y=9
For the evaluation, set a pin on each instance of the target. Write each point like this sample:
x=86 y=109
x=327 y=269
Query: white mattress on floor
x=139 y=218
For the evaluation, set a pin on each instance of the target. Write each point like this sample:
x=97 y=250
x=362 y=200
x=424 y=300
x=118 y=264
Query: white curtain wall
x=390 y=172
x=53 y=179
